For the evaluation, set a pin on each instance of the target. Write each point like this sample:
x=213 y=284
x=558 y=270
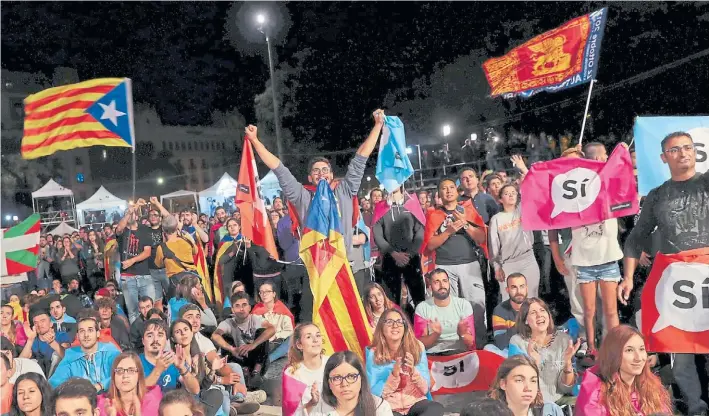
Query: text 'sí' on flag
x=19 y=250
x=571 y=192
x=337 y=305
x=464 y=372
x=675 y=303
x=255 y=224
x=98 y=112
x=555 y=60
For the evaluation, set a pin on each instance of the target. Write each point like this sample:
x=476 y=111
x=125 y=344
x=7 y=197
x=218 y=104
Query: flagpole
x=585 y=113
x=133 y=153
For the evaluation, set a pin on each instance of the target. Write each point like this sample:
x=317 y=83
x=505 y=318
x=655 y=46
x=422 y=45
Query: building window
x=164 y=147
x=169 y=145
x=223 y=146
x=192 y=165
x=193 y=179
x=214 y=148
x=196 y=145
x=204 y=163
x=189 y=145
x=78 y=161
x=183 y=147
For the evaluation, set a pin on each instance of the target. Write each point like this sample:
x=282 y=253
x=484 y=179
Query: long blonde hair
x=409 y=343
x=388 y=304
x=113 y=393
x=295 y=356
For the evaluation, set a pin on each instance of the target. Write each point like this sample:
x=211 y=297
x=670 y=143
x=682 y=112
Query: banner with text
x=649 y=132
x=675 y=303
x=464 y=372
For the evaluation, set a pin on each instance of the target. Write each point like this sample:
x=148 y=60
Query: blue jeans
x=280 y=351
x=135 y=287
x=160 y=281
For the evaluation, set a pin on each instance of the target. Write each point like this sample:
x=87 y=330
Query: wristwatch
x=466 y=226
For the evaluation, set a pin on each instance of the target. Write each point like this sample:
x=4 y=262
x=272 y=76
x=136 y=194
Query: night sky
x=190 y=58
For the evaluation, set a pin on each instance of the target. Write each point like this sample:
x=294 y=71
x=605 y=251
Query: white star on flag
x=110 y=112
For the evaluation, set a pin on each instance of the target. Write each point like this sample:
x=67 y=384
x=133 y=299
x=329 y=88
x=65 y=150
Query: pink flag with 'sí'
x=293 y=390
x=571 y=192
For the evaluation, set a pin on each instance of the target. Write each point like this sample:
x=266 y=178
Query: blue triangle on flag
x=113 y=110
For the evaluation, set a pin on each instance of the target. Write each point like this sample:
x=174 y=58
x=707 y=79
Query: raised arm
x=355 y=170
x=156 y=203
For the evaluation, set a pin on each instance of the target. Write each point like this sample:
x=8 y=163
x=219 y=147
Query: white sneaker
x=256 y=396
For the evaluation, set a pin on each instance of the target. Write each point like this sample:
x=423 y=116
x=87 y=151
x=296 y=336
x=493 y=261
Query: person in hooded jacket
x=91 y=360
x=398 y=233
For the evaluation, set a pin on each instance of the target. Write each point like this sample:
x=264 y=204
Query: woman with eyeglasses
x=517 y=385
x=397 y=367
x=346 y=390
x=128 y=395
x=277 y=314
x=376 y=302
x=31 y=396
x=511 y=247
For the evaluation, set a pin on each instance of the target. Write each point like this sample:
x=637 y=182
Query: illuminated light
x=446 y=130
x=409 y=150
x=473 y=137
x=260 y=18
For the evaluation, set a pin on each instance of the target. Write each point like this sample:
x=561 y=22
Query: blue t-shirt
x=41 y=349
x=168 y=379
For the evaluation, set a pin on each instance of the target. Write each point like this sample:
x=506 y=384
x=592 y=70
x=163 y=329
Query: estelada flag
x=255 y=224
x=555 y=60
x=90 y=113
x=675 y=303
x=337 y=305
x=19 y=251
x=572 y=192
x=464 y=372
x=293 y=390
x=200 y=261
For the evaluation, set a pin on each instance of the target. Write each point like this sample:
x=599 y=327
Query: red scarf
x=293 y=213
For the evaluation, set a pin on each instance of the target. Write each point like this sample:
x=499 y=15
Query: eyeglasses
x=318 y=171
x=394 y=323
x=130 y=371
x=350 y=378
x=154 y=215
x=264 y=292
x=687 y=148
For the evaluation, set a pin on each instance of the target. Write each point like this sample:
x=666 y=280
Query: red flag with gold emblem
x=555 y=60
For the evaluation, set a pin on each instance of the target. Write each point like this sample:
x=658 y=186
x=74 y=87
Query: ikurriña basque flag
x=561 y=58
x=337 y=305
x=98 y=112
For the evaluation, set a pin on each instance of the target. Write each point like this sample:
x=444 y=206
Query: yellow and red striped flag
x=200 y=261
x=337 y=304
x=90 y=113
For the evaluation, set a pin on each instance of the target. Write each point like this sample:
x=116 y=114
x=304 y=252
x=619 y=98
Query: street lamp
x=261 y=20
x=15 y=218
x=8 y=217
x=446 y=130
x=160 y=181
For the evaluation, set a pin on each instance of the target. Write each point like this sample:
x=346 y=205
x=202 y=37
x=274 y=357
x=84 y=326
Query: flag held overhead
x=337 y=305
x=90 y=113
x=561 y=58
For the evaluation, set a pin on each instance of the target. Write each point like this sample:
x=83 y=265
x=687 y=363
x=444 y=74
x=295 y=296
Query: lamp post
x=261 y=20
x=409 y=151
x=446 y=133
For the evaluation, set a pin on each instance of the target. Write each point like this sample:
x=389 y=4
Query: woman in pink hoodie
x=127 y=394
x=621 y=383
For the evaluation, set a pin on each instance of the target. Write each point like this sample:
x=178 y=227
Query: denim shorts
x=608 y=272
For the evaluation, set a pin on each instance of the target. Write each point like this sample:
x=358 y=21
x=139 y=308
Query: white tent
x=269 y=187
x=62 y=229
x=102 y=200
x=180 y=194
x=50 y=213
x=221 y=193
x=51 y=189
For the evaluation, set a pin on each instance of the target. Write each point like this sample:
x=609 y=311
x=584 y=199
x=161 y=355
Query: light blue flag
x=393 y=164
x=649 y=132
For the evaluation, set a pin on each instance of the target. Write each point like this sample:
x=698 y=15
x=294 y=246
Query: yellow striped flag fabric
x=90 y=113
x=337 y=305
x=201 y=262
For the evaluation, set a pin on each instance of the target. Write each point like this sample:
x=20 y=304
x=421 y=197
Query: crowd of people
x=118 y=322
